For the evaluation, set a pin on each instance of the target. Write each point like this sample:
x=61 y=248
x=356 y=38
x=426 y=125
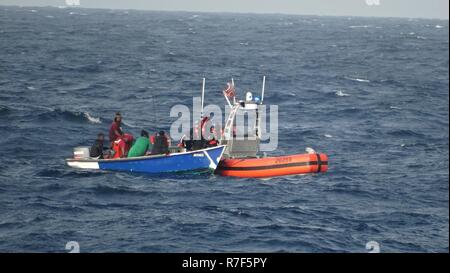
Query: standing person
x=115 y=131
x=140 y=146
x=119 y=142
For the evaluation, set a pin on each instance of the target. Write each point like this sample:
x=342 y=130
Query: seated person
x=97 y=148
x=161 y=145
x=140 y=146
x=118 y=148
x=211 y=141
x=121 y=146
x=152 y=142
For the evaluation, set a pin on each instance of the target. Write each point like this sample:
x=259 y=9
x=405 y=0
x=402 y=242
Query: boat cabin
x=242 y=128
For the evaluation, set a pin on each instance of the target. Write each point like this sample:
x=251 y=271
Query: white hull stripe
x=84 y=164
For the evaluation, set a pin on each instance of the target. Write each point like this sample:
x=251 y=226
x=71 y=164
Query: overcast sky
x=385 y=8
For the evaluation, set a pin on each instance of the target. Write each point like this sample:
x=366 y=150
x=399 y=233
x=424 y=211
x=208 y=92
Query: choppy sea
x=371 y=93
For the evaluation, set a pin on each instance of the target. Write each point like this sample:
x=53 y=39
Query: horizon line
x=227 y=12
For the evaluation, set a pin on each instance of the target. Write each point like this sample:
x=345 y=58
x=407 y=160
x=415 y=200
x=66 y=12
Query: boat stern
x=82 y=164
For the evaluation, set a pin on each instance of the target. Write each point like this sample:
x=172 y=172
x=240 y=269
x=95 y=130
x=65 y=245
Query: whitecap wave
x=91 y=118
x=357 y=79
x=340 y=93
x=363 y=26
x=395 y=108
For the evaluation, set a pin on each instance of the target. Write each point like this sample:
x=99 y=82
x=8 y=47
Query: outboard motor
x=81 y=152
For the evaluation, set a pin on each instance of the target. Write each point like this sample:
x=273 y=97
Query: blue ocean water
x=371 y=93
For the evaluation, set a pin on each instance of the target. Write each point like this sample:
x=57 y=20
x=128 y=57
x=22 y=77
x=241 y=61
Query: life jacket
x=117 y=148
x=213 y=142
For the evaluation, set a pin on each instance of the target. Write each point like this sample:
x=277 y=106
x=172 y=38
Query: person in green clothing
x=140 y=146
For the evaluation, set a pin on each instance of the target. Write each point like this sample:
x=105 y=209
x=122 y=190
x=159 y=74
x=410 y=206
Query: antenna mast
x=203 y=96
x=263 y=89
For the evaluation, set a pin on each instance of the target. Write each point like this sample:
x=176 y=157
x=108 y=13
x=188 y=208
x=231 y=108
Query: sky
x=379 y=8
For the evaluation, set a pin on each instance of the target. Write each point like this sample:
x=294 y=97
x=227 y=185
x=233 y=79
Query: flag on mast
x=230 y=92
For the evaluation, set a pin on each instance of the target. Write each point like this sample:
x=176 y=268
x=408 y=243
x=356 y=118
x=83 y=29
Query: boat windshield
x=245 y=125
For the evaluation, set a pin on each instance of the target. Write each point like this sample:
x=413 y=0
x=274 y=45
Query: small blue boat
x=192 y=161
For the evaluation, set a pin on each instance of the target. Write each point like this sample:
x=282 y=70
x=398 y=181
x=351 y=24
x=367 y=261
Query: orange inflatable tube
x=273 y=166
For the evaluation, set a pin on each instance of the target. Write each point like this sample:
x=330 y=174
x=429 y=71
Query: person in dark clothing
x=97 y=148
x=188 y=144
x=161 y=145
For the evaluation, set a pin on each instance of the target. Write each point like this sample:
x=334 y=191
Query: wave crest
x=77 y=116
x=341 y=93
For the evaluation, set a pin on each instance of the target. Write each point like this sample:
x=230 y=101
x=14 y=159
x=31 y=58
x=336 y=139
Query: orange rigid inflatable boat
x=242 y=158
x=273 y=166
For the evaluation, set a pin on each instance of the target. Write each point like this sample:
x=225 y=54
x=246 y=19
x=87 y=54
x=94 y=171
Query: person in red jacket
x=120 y=143
x=212 y=141
x=115 y=130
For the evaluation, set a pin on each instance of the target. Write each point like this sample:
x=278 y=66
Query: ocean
x=372 y=93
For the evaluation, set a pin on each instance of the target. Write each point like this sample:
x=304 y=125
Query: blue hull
x=200 y=160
